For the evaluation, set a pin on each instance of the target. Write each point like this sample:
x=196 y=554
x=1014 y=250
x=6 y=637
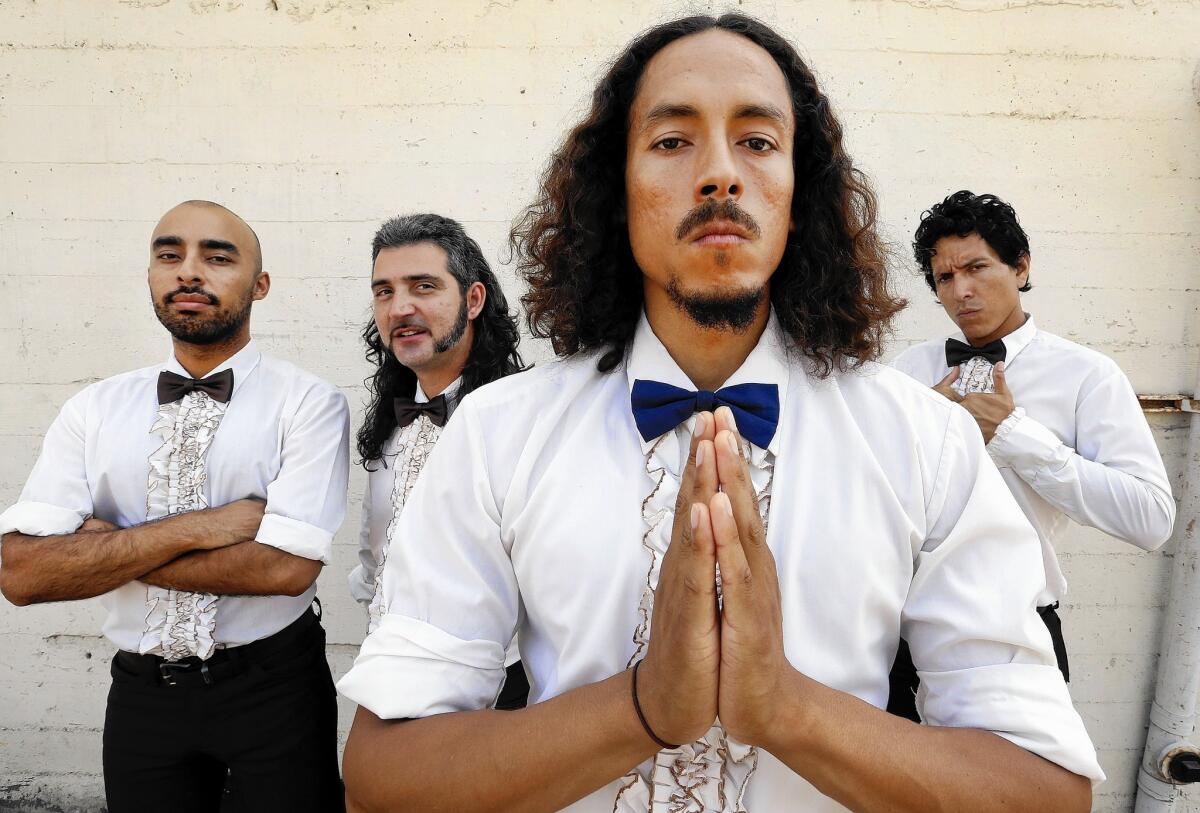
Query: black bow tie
x=407 y=410
x=172 y=387
x=957 y=352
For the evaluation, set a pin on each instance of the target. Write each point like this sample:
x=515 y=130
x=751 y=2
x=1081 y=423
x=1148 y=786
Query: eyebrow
x=219 y=245
x=375 y=283
x=209 y=243
x=668 y=110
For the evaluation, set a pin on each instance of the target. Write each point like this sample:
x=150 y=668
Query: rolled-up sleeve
x=450 y=591
x=984 y=656
x=56 y=498
x=306 y=502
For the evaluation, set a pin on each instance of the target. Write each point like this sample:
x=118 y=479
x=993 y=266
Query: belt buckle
x=169 y=669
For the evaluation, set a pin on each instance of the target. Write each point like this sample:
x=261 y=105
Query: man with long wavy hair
x=713 y=518
x=440 y=327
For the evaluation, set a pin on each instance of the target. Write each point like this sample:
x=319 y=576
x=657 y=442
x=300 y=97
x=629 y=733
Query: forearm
x=540 y=758
x=869 y=760
x=245 y=569
x=84 y=564
x=1099 y=496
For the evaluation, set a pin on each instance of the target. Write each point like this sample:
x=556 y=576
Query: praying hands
x=704 y=662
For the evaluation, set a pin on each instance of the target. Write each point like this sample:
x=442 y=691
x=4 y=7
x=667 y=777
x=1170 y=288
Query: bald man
x=198 y=498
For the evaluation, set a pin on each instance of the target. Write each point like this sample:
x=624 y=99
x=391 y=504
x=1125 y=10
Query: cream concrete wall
x=317 y=118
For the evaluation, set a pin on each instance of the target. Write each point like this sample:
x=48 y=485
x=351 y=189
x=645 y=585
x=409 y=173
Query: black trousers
x=902 y=701
x=515 y=692
x=258 y=732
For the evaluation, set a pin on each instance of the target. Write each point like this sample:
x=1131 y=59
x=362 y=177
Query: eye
x=220 y=259
x=380 y=293
x=167 y=256
x=757 y=144
x=426 y=286
x=669 y=144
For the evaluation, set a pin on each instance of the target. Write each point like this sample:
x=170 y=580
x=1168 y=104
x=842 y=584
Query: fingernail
x=731 y=441
x=700 y=454
x=723 y=503
x=695 y=516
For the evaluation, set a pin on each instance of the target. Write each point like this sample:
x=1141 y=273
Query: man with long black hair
x=440 y=328
x=1061 y=421
x=198 y=498
x=712 y=519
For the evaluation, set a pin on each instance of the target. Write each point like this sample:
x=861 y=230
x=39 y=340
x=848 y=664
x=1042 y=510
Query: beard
x=730 y=311
x=192 y=328
x=456 y=332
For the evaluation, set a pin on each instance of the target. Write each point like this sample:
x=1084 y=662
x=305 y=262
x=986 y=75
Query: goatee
x=731 y=311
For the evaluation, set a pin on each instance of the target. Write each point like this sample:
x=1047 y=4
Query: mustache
x=712 y=210
x=191 y=289
x=403 y=324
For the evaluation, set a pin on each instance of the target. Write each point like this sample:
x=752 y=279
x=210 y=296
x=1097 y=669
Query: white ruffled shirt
x=1077 y=446
x=543 y=511
x=113 y=452
x=388 y=485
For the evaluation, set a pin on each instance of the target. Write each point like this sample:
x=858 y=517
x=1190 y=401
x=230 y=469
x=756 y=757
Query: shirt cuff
x=295 y=537
x=361 y=589
x=407 y=668
x=1023 y=444
x=1025 y=703
x=40 y=519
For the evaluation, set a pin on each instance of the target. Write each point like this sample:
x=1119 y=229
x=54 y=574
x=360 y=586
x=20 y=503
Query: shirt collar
x=420 y=397
x=1014 y=342
x=242 y=363
x=766 y=364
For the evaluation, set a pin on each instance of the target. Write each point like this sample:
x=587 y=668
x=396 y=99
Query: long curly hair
x=493 y=348
x=831 y=289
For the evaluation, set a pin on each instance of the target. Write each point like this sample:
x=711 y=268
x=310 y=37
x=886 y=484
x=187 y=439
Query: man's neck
x=201 y=359
x=707 y=357
x=434 y=382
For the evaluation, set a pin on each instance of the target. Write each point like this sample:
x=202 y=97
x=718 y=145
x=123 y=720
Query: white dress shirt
x=115 y=453
x=1077 y=445
x=388 y=485
x=542 y=510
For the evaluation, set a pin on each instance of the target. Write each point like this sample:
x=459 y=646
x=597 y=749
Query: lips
x=191 y=302
x=408 y=333
x=720 y=233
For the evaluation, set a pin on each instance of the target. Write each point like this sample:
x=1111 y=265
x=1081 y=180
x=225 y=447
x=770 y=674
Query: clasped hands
x=703 y=662
x=988 y=409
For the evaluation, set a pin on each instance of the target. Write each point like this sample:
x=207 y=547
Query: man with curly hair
x=712 y=519
x=440 y=327
x=1061 y=421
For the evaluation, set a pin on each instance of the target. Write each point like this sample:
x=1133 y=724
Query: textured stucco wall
x=316 y=119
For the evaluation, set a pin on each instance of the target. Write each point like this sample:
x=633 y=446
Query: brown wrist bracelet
x=642 y=717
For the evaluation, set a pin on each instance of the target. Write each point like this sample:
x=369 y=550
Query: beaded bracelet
x=642 y=717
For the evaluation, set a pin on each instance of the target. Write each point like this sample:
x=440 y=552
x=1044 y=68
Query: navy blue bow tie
x=658 y=408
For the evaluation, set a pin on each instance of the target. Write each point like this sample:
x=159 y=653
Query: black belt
x=224 y=663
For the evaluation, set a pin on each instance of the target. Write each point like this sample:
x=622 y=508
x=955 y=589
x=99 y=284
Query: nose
x=718 y=175
x=961 y=288
x=191 y=270
x=401 y=306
